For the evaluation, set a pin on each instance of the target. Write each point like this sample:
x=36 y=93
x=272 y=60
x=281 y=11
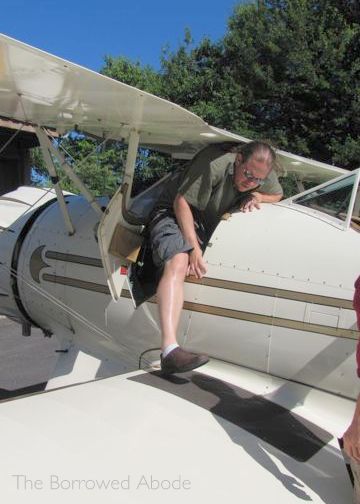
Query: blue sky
x=84 y=32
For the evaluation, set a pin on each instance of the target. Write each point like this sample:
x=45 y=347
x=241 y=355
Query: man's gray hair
x=258 y=147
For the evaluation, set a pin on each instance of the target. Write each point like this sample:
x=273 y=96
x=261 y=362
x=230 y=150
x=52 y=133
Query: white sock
x=169 y=349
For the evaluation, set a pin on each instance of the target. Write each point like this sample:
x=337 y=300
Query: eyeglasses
x=251 y=178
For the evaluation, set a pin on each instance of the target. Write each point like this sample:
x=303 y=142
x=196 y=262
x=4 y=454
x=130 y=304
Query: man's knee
x=178 y=265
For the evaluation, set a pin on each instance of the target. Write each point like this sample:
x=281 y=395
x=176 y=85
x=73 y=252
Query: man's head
x=253 y=164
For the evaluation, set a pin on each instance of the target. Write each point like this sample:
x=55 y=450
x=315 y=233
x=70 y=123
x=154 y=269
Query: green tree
x=133 y=74
x=99 y=167
x=302 y=70
x=198 y=79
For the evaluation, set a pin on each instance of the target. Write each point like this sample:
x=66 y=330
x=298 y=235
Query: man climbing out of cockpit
x=183 y=220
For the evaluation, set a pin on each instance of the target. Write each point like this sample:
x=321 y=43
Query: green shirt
x=207 y=185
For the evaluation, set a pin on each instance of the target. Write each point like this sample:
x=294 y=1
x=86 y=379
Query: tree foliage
x=133 y=74
x=285 y=70
x=301 y=61
x=99 y=167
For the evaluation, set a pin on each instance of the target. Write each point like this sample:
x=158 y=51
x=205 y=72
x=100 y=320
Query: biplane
x=274 y=313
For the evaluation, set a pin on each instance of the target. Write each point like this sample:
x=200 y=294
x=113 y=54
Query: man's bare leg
x=170 y=297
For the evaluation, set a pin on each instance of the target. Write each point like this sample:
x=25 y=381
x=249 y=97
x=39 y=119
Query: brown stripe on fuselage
x=273 y=292
x=262 y=319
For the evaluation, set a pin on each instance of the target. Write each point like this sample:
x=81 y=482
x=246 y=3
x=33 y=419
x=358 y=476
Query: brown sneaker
x=179 y=361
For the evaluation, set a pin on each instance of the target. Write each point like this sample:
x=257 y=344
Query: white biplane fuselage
x=279 y=284
x=277 y=298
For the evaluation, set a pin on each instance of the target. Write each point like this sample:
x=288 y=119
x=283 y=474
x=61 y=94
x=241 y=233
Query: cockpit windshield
x=333 y=199
x=355 y=218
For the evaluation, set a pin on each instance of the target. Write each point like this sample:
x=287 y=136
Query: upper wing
x=305 y=169
x=39 y=88
x=308 y=170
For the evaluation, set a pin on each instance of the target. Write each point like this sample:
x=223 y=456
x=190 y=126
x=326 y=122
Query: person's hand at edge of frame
x=351 y=436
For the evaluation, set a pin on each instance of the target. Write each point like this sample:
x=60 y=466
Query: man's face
x=250 y=174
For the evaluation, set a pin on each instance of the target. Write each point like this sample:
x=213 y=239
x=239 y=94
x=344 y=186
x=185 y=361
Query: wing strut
x=47 y=145
x=130 y=164
x=114 y=215
x=44 y=144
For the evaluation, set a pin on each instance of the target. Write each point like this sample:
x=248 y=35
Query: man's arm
x=256 y=198
x=270 y=192
x=352 y=435
x=185 y=219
